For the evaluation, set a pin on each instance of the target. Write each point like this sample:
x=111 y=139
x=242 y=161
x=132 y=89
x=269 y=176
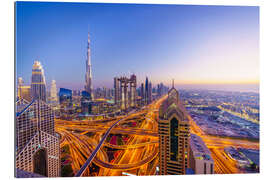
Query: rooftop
x=199 y=149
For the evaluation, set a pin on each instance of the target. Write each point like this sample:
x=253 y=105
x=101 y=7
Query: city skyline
x=146 y=90
x=227 y=41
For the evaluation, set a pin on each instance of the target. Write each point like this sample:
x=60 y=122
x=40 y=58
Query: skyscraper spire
x=88 y=75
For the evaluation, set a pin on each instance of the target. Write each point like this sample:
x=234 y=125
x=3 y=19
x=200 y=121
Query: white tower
x=53 y=91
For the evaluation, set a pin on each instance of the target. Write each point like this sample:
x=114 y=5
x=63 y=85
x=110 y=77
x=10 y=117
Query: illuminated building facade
x=19 y=85
x=53 y=92
x=65 y=97
x=200 y=156
x=23 y=92
x=86 y=102
x=37 y=146
x=173 y=131
x=146 y=91
x=125 y=92
x=38 y=85
x=88 y=75
x=147 y=95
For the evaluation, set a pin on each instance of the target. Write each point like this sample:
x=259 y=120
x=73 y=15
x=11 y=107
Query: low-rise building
x=200 y=159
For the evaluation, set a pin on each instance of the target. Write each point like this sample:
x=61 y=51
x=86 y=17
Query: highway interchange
x=139 y=155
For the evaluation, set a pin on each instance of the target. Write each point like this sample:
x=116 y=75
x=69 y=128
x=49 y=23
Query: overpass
x=89 y=160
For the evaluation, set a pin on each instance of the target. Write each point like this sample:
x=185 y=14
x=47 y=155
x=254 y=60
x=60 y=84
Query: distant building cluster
x=37 y=144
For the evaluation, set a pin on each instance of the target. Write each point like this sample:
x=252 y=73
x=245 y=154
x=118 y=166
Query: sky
x=214 y=47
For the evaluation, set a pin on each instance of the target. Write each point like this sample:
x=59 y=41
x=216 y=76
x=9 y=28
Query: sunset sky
x=214 y=47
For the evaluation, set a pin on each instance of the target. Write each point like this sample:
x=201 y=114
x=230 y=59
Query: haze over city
x=208 y=47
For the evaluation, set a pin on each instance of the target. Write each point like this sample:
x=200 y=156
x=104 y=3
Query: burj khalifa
x=88 y=75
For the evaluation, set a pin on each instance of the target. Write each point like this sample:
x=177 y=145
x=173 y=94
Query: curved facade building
x=38 y=85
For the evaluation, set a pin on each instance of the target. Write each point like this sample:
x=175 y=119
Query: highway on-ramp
x=92 y=156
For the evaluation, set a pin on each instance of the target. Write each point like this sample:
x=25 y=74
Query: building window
x=174 y=139
x=211 y=168
x=204 y=168
x=40 y=162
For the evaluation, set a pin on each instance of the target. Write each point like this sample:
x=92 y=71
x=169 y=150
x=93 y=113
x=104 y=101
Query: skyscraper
x=53 y=92
x=65 y=97
x=142 y=91
x=38 y=85
x=125 y=95
x=146 y=90
x=149 y=93
x=37 y=146
x=19 y=85
x=23 y=92
x=173 y=131
x=88 y=75
x=117 y=94
x=132 y=87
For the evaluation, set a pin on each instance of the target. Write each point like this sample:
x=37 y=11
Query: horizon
x=218 y=48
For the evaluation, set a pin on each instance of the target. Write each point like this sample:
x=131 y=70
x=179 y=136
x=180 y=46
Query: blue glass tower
x=65 y=97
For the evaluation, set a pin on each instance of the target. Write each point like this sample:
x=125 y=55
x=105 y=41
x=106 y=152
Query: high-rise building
x=173 y=131
x=124 y=92
x=38 y=85
x=65 y=97
x=200 y=157
x=146 y=90
x=161 y=89
x=132 y=90
x=23 y=92
x=19 y=85
x=149 y=93
x=53 y=92
x=125 y=95
x=88 y=75
x=116 y=92
x=37 y=146
x=86 y=103
x=142 y=91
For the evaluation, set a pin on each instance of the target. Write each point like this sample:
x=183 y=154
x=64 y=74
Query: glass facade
x=38 y=87
x=174 y=139
x=65 y=97
x=35 y=131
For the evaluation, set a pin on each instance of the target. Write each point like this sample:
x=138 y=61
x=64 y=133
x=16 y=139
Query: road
x=138 y=155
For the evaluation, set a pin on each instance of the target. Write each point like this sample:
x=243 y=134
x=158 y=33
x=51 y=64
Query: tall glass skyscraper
x=65 y=97
x=37 y=146
x=38 y=85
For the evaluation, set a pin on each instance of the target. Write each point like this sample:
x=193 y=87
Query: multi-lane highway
x=139 y=154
